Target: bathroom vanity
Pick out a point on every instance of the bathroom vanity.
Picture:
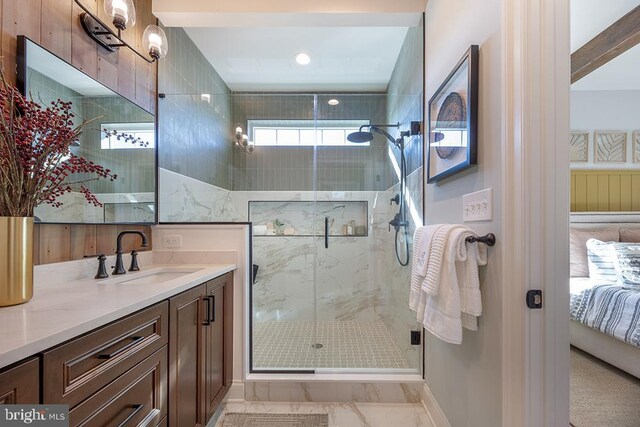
(151, 348)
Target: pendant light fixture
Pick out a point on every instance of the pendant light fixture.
(122, 14)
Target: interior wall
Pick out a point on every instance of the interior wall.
(291, 168)
(194, 118)
(607, 110)
(466, 379)
(55, 25)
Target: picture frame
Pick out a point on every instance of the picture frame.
(453, 120)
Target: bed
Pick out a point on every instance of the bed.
(605, 318)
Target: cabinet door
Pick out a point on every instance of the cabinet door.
(218, 342)
(21, 384)
(186, 358)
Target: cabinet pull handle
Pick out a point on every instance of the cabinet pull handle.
(136, 409)
(207, 311)
(212, 306)
(134, 341)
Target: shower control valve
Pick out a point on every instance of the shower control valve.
(395, 199)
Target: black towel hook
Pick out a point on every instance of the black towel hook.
(487, 239)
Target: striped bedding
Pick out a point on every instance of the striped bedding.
(606, 307)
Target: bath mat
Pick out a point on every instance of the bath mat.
(275, 420)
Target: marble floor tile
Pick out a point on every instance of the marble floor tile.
(343, 414)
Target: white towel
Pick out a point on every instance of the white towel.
(450, 293)
(420, 265)
(469, 282)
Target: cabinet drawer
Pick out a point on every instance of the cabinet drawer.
(21, 384)
(76, 370)
(137, 398)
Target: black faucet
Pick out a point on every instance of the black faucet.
(119, 268)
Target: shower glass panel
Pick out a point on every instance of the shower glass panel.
(363, 323)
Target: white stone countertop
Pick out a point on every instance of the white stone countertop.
(62, 311)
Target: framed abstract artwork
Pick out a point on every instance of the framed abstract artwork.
(579, 146)
(453, 120)
(610, 146)
(636, 146)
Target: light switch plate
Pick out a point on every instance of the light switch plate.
(172, 241)
(478, 206)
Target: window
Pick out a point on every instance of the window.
(303, 133)
(144, 131)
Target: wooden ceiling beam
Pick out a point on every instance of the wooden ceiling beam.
(616, 39)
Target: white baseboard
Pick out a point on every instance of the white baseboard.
(438, 419)
(236, 392)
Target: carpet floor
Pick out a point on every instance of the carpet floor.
(602, 395)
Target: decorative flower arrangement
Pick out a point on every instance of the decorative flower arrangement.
(35, 157)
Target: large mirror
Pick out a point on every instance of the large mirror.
(131, 198)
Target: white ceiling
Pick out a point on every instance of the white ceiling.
(342, 58)
(588, 19)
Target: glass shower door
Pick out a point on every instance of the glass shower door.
(356, 324)
(277, 186)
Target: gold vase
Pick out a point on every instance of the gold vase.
(16, 260)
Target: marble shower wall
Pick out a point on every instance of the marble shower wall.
(284, 289)
(392, 279)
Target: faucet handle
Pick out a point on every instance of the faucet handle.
(134, 261)
(102, 267)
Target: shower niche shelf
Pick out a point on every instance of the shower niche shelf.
(300, 215)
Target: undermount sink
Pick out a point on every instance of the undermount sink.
(150, 277)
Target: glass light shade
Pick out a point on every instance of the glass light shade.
(155, 42)
(121, 12)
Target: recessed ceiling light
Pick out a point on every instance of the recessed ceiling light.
(333, 102)
(303, 59)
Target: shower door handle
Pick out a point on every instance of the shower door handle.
(326, 232)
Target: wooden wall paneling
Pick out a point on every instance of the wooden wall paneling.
(107, 72)
(605, 191)
(603, 201)
(635, 193)
(83, 241)
(615, 196)
(106, 239)
(625, 189)
(36, 244)
(19, 17)
(55, 243)
(145, 73)
(56, 26)
(84, 51)
(592, 196)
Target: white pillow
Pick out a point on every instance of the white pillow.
(601, 257)
(628, 265)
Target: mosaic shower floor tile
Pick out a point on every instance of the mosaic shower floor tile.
(337, 344)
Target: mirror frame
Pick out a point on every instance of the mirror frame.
(21, 84)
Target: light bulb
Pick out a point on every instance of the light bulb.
(154, 41)
(238, 130)
(121, 12)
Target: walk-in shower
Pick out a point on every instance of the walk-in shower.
(333, 196)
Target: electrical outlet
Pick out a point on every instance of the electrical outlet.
(172, 241)
(478, 206)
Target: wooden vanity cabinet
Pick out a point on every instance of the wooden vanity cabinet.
(218, 343)
(21, 384)
(201, 353)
